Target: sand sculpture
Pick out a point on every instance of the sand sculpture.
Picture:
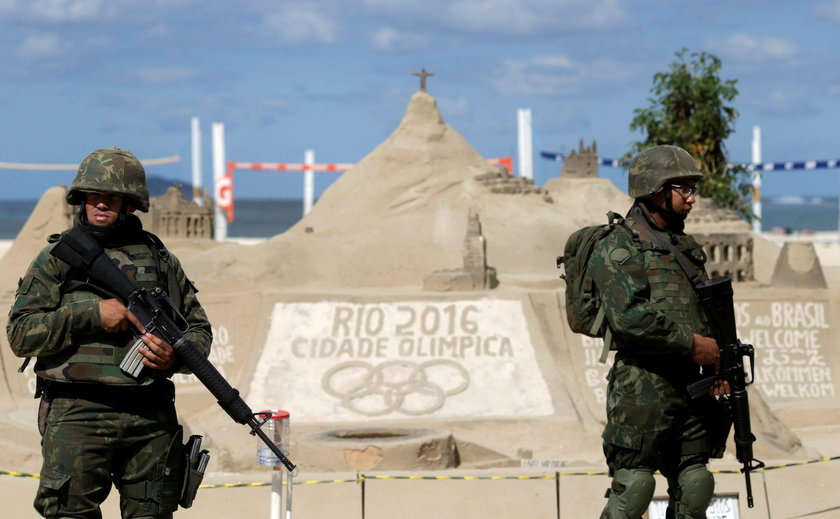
(330, 320)
(475, 274)
(171, 216)
(581, 163)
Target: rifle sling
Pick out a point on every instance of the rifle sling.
(682, 260)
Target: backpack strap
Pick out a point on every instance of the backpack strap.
(26, 361)
(596, 326)
(605, 351)
(684, 262)
(669, 244)
(615, 220)
(162, 257)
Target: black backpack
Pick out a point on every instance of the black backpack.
(583, 304)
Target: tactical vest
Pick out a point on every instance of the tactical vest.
(671, 292)
(96, 357)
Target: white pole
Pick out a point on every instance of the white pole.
(276, 510)
(525, 144)
(308, 181)
(196, 160)
(756, 160)
(289, 486)
(219, 219)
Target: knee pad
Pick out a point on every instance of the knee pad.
(695, 493)
(630, 494)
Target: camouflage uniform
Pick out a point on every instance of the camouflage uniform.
(652, 310)
(99, 425)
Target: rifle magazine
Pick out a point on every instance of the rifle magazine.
(132, 363)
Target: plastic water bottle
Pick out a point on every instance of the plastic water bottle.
(266, 457)
(278, 430)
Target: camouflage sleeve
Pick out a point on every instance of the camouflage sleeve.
(39, 324)
(199, 332)
(621, 278)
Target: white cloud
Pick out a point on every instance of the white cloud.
(159, 31)
(165, 74)
(747, 48)
(602, 13)
(530, 78)
(8, 5)
(555, 74)
(506, 16)
(524, 16)
(265, 103)
(787, 101)
(553, 61)
(302, 22)
(42, 45)
(390, 39)
(453, 106)
(829, 10)
(67, 10)
(99, 42)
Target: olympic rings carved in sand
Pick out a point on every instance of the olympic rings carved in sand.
(395, 386)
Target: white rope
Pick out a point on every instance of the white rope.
(74, 167)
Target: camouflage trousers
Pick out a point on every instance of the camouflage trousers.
(99, 435)
(652, 423)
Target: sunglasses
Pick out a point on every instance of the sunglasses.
(685, 191)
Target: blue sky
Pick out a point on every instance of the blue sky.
(335, 76)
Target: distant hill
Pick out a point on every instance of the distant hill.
(159, 185)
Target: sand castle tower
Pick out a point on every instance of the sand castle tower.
(726, 238)
(582, 163)
(173, 216)
(475, 274)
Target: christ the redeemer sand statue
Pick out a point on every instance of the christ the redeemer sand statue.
(423, 75)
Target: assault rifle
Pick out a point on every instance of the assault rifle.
(716, 297)
(160, 317)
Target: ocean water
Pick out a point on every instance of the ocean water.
(13, 214)
(800, 213)
(252, 218)
(265, 218)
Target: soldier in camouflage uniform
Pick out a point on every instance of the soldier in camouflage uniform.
(100, 425)
(662, 340)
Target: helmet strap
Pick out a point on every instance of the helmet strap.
(669, 199)
(103, 230)
(665, 211)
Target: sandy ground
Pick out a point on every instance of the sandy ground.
(796, 491)
(793, 491)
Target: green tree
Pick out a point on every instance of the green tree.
(692, 108)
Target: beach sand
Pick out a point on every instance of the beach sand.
(565, 491)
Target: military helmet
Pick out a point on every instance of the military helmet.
(110, 170)
(654, 167)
